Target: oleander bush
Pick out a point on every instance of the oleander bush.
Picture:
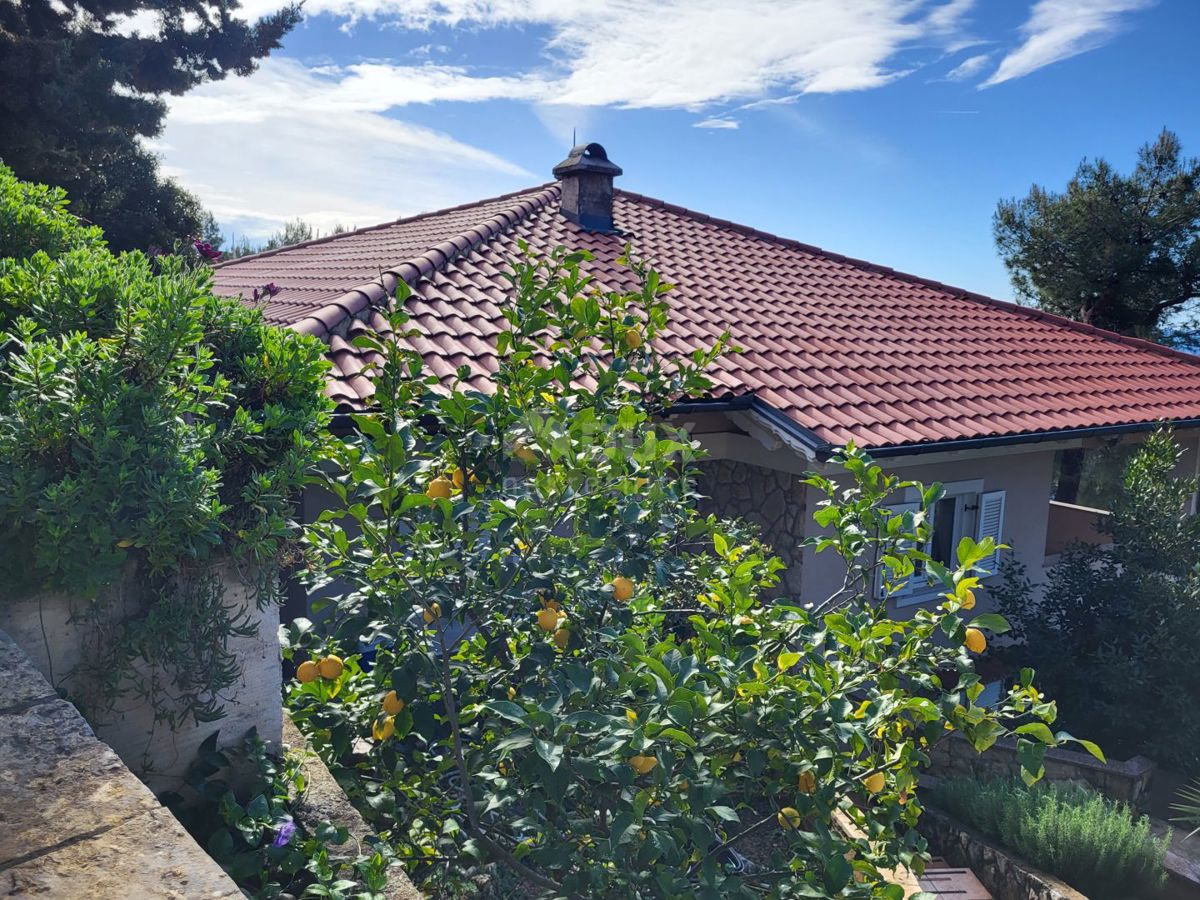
(1094, 844)
(532, 651)
(147, 429)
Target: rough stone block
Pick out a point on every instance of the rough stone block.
(20, 681)
(58, 782)
(148, 856)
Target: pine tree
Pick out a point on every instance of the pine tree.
(80, 86)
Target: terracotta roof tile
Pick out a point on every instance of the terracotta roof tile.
(844, 348)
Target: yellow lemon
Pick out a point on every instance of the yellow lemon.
(631, 715)
(562, 637)
(384, 729)
(633, 339)
(432, 614)
(622, 588)
(968, 600)
(502, 767)
(330, 667)
(547, 619)
(512, 693)
(392, 704)
(808, 782)
(440, 488)
(306, 672)
(976, 642)
(789, 818)
(643, 764)
(874, 783)
(458, 478)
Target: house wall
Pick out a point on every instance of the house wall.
(769, 498)
(1024, 475)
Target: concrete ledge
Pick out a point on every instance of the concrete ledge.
(324, 800)
(1125, 780)
(76, 821)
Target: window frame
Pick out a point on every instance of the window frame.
(918, 590)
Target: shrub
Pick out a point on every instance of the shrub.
(1112, 635)
(535, 651)
(241, 804)
(1092, 843)
(146, 426)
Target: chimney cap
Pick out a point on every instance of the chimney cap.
(590, 158)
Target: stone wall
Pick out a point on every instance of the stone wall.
(1125, 780)
(45, 628)
(76, 822)
(1006, 876)
(768, 498)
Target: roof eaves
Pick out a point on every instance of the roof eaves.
(322, 322)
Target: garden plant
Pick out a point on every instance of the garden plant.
(1109, 635)
(149, 433)
(534, 651)
(1094, 844)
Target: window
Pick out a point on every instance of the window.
(966, 509)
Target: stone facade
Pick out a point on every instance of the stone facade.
(1125, 780)
(45, 628)
(1006, 876)
(771, 499)
(77, 823)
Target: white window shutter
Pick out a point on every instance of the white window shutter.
(991, 524)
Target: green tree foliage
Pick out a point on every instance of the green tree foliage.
(81, 91)
(1114, 635)
(572, 673)
(144, 422)
(1092, 843)
(1116, 251)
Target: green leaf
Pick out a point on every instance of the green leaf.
(786, 659)
(508, 710)
(992, 622)
(551, 753)
(679, 736)
(1031, 754)
(1038, 730)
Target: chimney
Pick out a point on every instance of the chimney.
(587, 187)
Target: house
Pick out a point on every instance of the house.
(940, 383)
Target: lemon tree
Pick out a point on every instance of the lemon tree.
(549, 660)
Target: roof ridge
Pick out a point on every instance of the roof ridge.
(349, 303)
(1028, 311)
(403, 220)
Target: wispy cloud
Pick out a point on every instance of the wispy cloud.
(968, 68)
(1059, 29)
(291, 142)
(718, 123)
(685, 53)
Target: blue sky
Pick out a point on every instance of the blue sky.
(876, 128)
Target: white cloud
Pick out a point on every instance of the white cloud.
(1059, 29)
(287, 142)
(685, 53)
(968, 68)
(322, 142)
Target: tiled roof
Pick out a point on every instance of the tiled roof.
(839, 348)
